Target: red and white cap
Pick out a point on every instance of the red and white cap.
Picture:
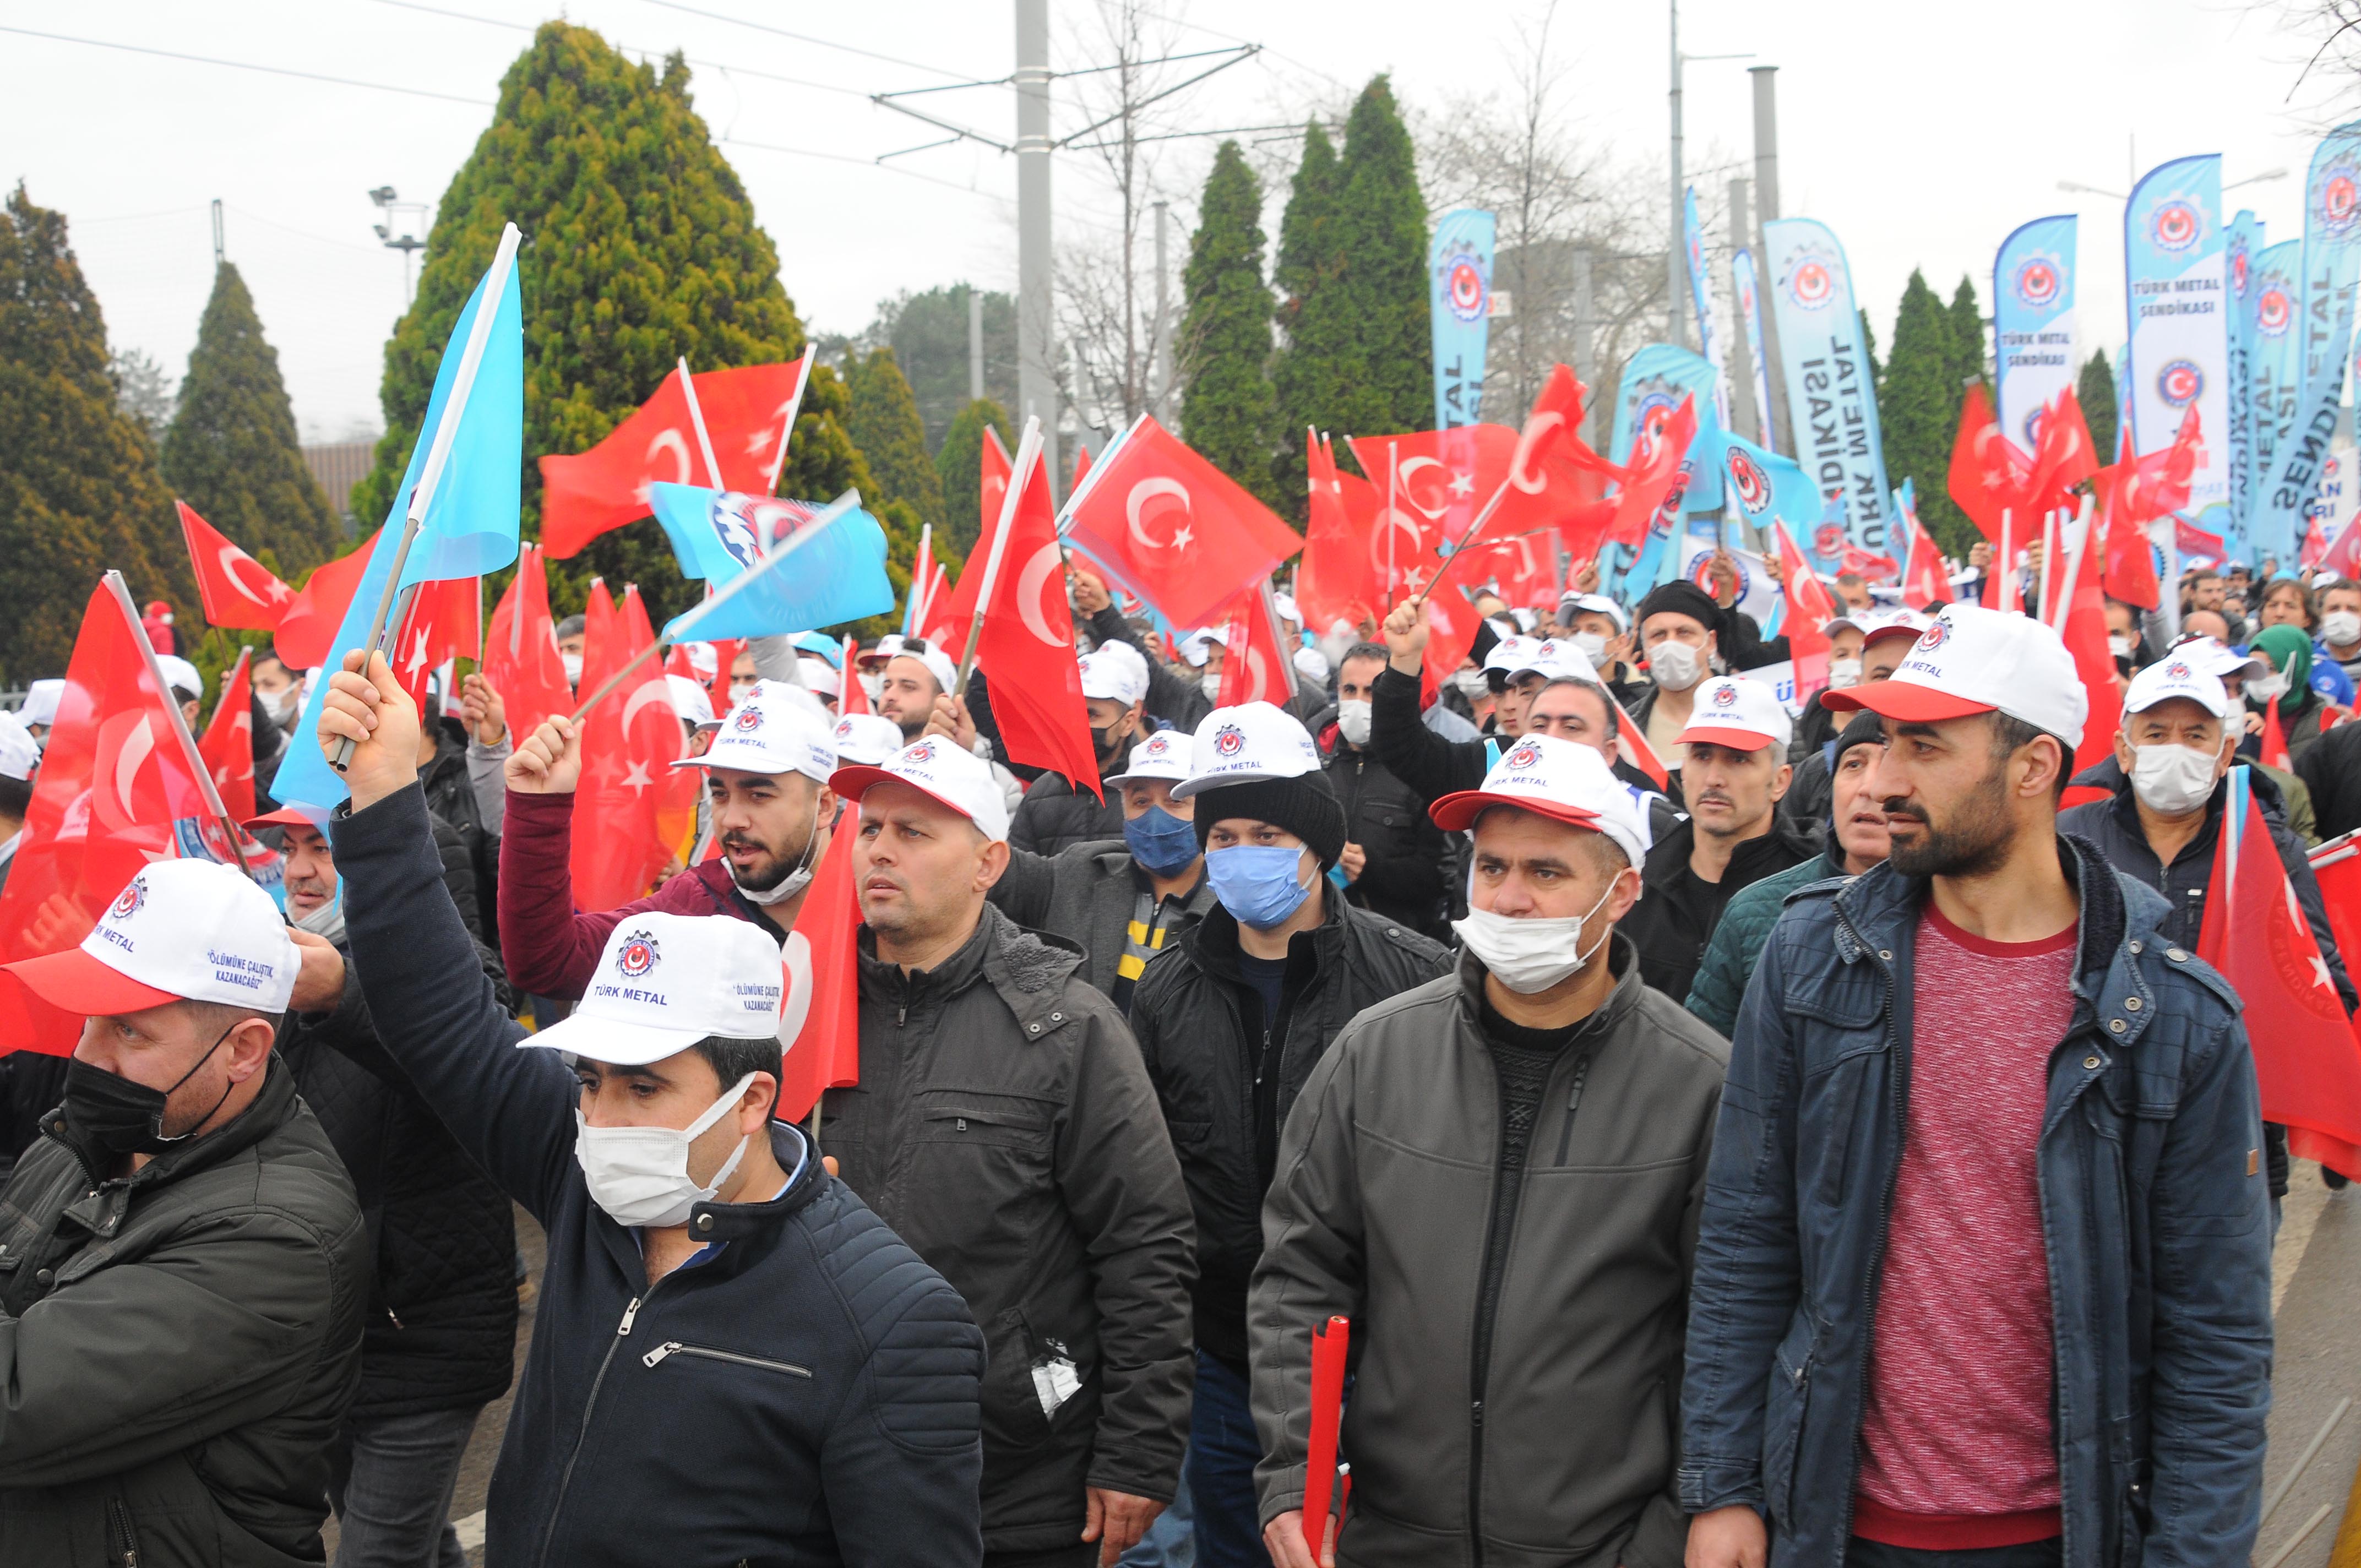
(665, 981)
(866, 738)
(2176, 675)
(1554, 778)
(1556, 659)
(1876, 626)
(933, 766)
(1744, 715)
(1241, 745)
(1973, 659)
(1163, 755)
(776, 730)
(178, 931)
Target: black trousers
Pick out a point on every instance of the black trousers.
(1864, 1552)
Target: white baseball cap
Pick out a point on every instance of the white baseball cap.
(1286, 605)
(41, 699)
(1554, 778)
(939, 665)
(1744, 715)
(771, 732)
(178, 931)
(1163, 755)
(1312, 665)
(1198, 646)
(1555, 660)
(1240, 745)
(19, 753)
(819, 676)
(2220, 660)
(1876, 626)
(180, 675)
(1848, 622)
(1597, 604)
(1107, 674)
(949, 773)
(1507, 653)
(884, 648)
(690, 701)
(665, 981)
(2175, 675)
(866, 738)
(1973, 659)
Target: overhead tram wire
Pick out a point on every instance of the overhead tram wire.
(819, 42)
(250, 65)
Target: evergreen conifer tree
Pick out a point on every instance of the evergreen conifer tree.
(885, 426)
(79, 489)
(2094, 388)
(1227, 412)
(1869, 357)
(1304, 374)
(231, 451)
(1967, 335)
(1383, 217)
(1918, 410)
(959, 466)
(641, 246)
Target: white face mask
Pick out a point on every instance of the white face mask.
(2119, 646)
(1210, 682)
(2340, 629)
(281, 704)
(1472, 685)
(639, 1175)
(1593, 646)
(794, 882)
(2174, 780)
(740, 690)
(1530, 956)
(573, 663)
(1843, 672)
(1676, 666)
(875, 685)
(2271, 688)
(1353, 722)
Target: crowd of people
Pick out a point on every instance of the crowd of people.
(1737, 1134)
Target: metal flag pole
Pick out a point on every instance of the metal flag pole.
(120, 593)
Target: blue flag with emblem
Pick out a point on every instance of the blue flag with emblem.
(741, 546)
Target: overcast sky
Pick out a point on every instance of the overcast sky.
(1922, 134)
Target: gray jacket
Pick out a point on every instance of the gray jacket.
(1086, 894)
(1558, 1447)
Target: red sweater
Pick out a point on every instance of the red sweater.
(1958, 1449)
(550, 947)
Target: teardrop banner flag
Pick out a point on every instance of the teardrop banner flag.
(1831, 401)
(1746, 289)
(1459, 278)
(2241, 252)
(2174, 246)
(2033, 322)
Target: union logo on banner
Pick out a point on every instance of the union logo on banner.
(2039, 282)
(2180, 383)
(1747, 481)
(2240, 267)
(1811, 282)
(1466, 285)
(1701, 574)
(2336, 203)
(2176, 224)
(2274, 312)
(1828, 541)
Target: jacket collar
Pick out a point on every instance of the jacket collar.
(728, 1222)
(273, 1106)
(1029, 970)
(1213, 943)
(1671, 852)
(1622, 962)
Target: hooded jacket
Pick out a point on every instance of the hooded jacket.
(178, 1344)
(2153, 1212)
(1004, 1127)
(1517, 1399)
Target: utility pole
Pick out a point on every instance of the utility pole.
(406, 242)
(1740, 357)
(1675, 266)
(1585, 332)
(1776, 431)
(1036, 380)
(217, 233)
(974, 343)
(1159, 342)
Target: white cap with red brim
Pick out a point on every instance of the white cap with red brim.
(1743, 715)
(1558, 779)
(950, 773)
(1555, 659)
(178, 931)
(1877, 626)
(665, 981)
(1973, 659)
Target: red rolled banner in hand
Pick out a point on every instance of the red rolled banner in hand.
(1328, 1346)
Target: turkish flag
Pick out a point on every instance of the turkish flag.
(1255, 663)
(587, 493)
(629, 742)
(854, 697)
(1430, 486)
(2084, 632)
(520, 658)
(2063, 456)
(1082, 468)
(228, 745)
(1990, 474)
(121, 783)
(1810, 607)
(1924, 581)
(1172, 529)
(236, 588)
(439, 626)
(934, 618)
(1631, 744)
(1336, 580)
(2273, 745)
(1027, 649)
(2307, 1062)
(306, 634)
(820, 1019)
(1657, 477)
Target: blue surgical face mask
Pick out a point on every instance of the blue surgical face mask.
(1260, 884)
(1160, 841)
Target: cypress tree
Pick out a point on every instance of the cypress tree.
(1869, 356)
(1383, 219)
(231, 452)
(885, 426)
(959, 466)
(2096, 390)
(1967, 335)
(1304, 375)
(79, 489)
(1227, 412)
(1919, 409)
(641, 246)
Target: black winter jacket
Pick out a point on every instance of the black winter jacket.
(471, 843)
(807, 1395)
(2330, 768)
(1190, 1014)
(1404, 877)
(1086, 896)
(1174, 696)
(1054, 817)
(1002, 1126)
(440, 1329)
(1675, 916)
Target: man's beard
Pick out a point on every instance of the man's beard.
(1973, 843)
(782, 866)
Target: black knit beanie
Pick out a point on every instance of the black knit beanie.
(1305, 807)
(1864, 728)
(1680, 597)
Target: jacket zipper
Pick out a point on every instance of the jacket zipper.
(1900, 1096)
(672, 1347)
(589, 1407)
(1572, 1105)
(122, 1540)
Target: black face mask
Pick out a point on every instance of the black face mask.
(1107, 741)
(122, 1117)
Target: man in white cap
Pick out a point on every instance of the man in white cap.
(1602, 630)
(1057, 813)
(1497, 1176)
(733, 1358)
(40, 709)
(20, 758)
(1176, 695)
(1986, 1244)
(1396, 863)
(866, 738)
(188, 689)
(916, 674)
(1879, 640)
(766, 790)
(182, 1259)
(1232, 1020)
(1004, 1127)
(1121, 899)
(1736, 742)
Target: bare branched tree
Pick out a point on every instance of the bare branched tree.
(2324, 70)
